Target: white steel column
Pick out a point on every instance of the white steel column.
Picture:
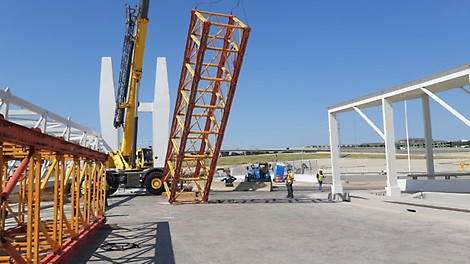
(390, 154)
(407, 139)
(66, 132)
(41, 124)
(5, 105)
(336, 186)
(428, 137)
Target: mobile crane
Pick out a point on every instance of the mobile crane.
(129, 166)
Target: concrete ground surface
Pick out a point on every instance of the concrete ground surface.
(265, 227)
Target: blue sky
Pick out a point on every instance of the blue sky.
(302, 57)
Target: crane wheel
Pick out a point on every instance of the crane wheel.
(154, 183)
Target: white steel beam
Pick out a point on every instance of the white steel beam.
(51, 126)
(21, 112)
(442, 81)
(465, 90)
(145, 107)
(446, 106)
(392, 188)
(369, 122)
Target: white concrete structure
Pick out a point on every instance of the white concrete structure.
(107, 104)
(435, 185)
(423, 89)
(160, 109)
(27, 114)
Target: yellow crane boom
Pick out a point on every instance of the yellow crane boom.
(130, 167)
(129, 81)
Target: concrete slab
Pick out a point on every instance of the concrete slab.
(184, 196)
(265, 227)
(242, 186)
(458, 185)
(454, 199)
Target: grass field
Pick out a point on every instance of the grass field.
(240, 160)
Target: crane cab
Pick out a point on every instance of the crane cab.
(144, 158)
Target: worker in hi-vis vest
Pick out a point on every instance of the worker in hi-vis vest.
(289, 182)
(320, 178)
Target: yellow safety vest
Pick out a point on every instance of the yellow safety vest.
(290, 177)
(320, 177)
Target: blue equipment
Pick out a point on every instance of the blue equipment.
(280, 169)
(258, 173)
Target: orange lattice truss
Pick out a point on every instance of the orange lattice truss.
(215, 48)
(40, 228)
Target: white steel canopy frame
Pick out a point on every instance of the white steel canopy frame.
(423, 89)
(27, 114)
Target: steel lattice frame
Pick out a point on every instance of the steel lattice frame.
(215, 49)
(31, 233)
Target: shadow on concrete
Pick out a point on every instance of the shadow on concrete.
(164, 248)
(88, 249)
(358, 197)
(270, 200)
(130, 243)
(112, 203)
(431, 206)
(253, 186)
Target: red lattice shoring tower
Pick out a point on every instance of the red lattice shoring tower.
(215, 48)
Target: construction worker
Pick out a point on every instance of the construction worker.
(289, 182)
(229, 179)
(320, 178)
